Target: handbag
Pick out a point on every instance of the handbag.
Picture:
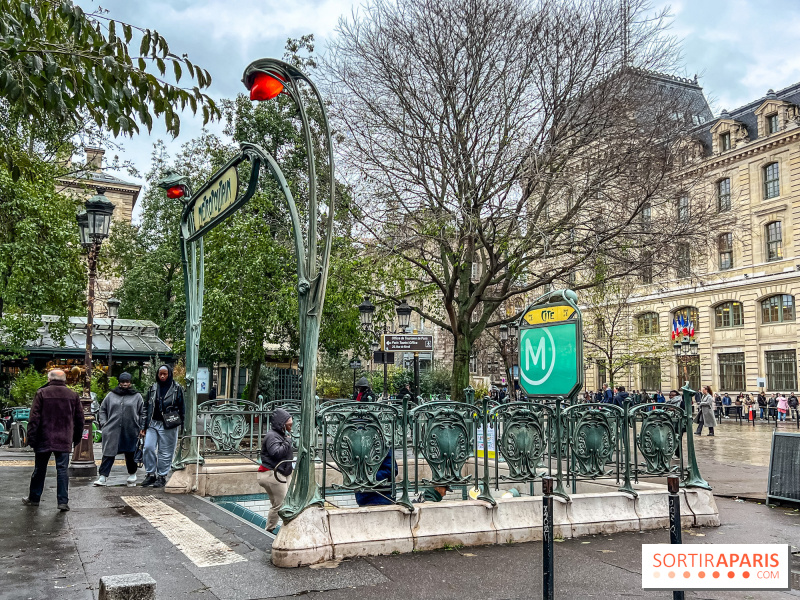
(171, 416)
(138, 455)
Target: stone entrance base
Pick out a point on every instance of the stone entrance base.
(318, 534)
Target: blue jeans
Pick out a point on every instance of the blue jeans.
(159, 460)
(781, 416)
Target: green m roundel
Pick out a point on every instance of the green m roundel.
(550, 346)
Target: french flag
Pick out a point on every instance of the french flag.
(674, 329)
(684, 326)
(691, 329)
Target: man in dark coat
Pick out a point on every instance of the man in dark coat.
(276, 464)
(56, 424)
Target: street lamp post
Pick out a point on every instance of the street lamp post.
(93, 224)
(685, 350)
(112, 306)
(404, 320)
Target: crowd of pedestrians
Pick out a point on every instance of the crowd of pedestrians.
(778, 407)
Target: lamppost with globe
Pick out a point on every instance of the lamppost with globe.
(366, 311)
(93, 224)
(112, 306)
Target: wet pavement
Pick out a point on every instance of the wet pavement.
(51, 555)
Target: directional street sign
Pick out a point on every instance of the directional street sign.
(551, 346)
(407, 343)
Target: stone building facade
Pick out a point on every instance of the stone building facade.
(741, 294)
(122, 194)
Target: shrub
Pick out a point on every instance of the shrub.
(24, 387)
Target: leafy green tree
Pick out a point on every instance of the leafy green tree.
(61, 64)
(41, 271)
(250, 275)
(24, 387)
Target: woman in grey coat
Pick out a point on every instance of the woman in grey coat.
(121, 419)
(705, 412)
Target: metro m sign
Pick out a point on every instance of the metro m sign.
(551, 349)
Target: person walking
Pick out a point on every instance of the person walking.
(705, 412)
(793, 404)
(56, 424)
(276, 464)
(762, 404)
(608, 394)
(121, 419)
(621, 396)
(782, 406)
(165, 414)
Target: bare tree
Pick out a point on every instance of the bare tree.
(498, 147)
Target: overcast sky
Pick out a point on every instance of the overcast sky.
(738, 48)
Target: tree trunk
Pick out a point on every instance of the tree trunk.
(460, 368)
(255, 375)
(235, 386)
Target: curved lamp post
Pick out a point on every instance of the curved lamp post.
(214, 202)
(93, 225)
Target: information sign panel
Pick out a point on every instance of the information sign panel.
(407, 342)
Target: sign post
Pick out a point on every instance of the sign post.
(355, 364)
(551, 346)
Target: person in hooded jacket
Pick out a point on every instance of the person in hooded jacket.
(621, 396)
(364, 391)
(121, 419)
(276, 464)
(165, 397)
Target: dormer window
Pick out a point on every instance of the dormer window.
(772, 123)
(725, 141)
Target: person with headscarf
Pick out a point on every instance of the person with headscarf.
(121, 419)
(165, 414)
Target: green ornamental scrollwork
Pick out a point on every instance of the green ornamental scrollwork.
(359, 448)
(227, 426)
(593, 439)
(522, 442)
(446, 440)
(659, 438)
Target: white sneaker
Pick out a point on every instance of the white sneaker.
(131, 481)
(101, 481)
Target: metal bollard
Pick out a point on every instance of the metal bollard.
(673, 483)
(548, 583)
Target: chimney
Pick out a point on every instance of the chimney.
(94, 158)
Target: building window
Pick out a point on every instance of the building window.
(731, 372)
(728, 314)
(602, 373)
(724, 195)
(651, 374)
(600, 328)
(473, 363)
(777, 309)
(725, 244)
(774, 241)
(683, 209)
(689, 314)
(772, 123)
(647, 324)
(725, 141)
(647, 216)
(476, 270)
(781, 370)
(646, 273)
(684, 261)
(772, 184)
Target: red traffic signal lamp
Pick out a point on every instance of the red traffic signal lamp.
(265, 86)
